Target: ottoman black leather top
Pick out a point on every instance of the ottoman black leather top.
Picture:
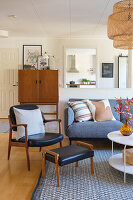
(70, 154)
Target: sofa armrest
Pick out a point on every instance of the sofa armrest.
(68, 118)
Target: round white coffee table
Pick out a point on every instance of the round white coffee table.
(116, 160)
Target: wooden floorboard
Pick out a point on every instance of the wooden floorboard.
(16, 182)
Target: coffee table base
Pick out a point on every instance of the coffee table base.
(116, 162)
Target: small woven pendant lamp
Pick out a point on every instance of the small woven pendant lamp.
(120, 25)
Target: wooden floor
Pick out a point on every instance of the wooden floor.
(16, 182)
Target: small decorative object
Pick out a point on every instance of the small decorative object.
(88, 81)
(126, 129)
(85, 81)
(52, 61)
(72, 82)
(43, 61)
(124, 108)
(107, 70)
(92, 82)
(30, 54)
(91, 69)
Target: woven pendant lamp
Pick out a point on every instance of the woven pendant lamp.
(120, 25)
(123, 44)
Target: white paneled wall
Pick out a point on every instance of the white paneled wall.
(105, 54)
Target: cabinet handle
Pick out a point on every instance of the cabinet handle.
(40, 81)
(15, 84)
(36, 81)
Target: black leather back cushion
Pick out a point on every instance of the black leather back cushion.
(23, 107)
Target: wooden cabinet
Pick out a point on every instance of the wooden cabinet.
(38, 86)
(48, 86)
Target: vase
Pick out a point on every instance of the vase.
(126, 129)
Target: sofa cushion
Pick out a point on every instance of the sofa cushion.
(91, 129)
(81, 110)
(101, 110)
(112, 102)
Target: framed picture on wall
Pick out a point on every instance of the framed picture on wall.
(30, 55)
(107, 70)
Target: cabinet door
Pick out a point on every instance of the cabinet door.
(28, 86)
(48, 86)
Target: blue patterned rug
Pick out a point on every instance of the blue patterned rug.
(77, 183)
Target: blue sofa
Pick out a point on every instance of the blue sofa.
(91, 129)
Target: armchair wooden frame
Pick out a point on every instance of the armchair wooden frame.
(25, 144)
(56, 155)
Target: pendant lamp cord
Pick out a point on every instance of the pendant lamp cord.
(70, 19)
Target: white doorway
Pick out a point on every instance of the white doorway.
(9, 62)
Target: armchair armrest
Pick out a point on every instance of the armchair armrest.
(16, 125)
(50, 120)
(53, 120)
(90, 146)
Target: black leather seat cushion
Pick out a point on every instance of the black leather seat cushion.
(41, 140)
(70, 154)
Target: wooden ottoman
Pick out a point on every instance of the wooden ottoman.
(66, 155)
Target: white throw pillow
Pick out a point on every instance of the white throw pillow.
(33, 119)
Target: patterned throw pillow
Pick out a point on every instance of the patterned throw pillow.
(81, 110)
(101, 110)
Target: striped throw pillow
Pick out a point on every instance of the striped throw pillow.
(81, 111)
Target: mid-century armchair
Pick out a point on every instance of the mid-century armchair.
(37, 140)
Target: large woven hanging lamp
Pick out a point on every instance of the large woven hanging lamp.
(123, 44)
(120, 25)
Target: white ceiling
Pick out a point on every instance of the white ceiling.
(55, 18)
